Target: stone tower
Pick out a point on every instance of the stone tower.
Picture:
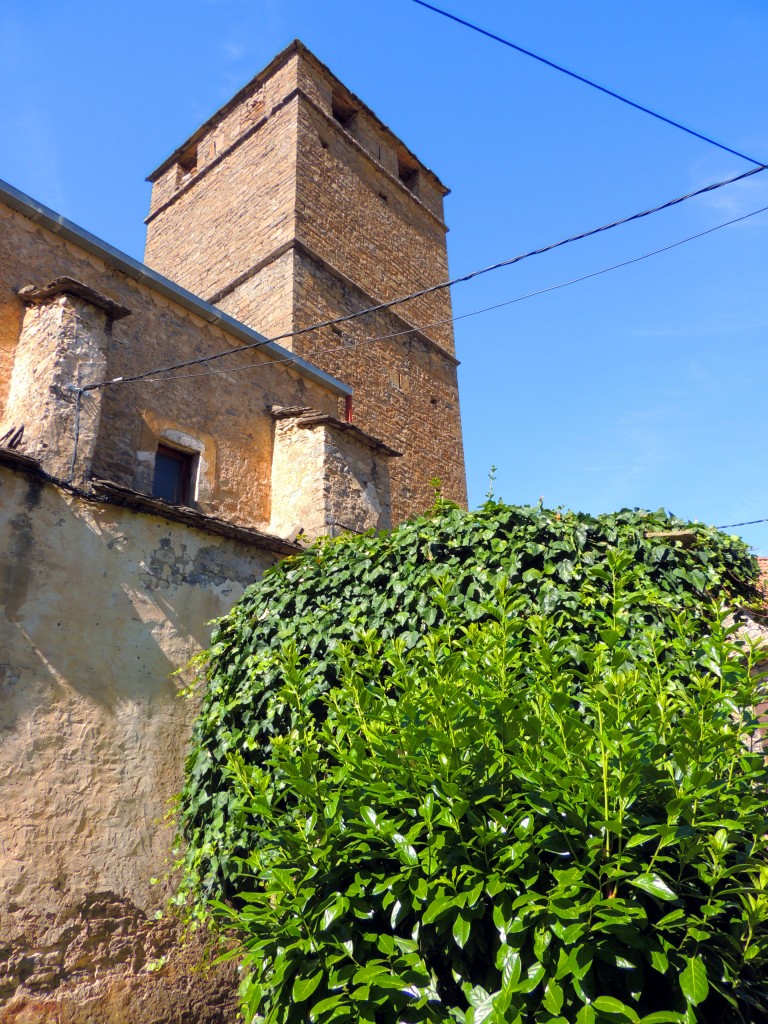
(293, 205)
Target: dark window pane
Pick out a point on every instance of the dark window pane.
(172, 475)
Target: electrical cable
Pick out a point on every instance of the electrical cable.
(749, 522)
(476, 312)
(264, 363)
(585, 81)
(565, 284)
(435, 287)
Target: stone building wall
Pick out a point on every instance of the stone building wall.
(105, 592)
(237, 211)
(99, 606)
(317, 456)
(411, 391)
(362, 219)
(229, 411)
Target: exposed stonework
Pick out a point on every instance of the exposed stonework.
(228, 414)
(103, 959)
(294, 205)
(63, 345)
(327, 477)
(411, 392)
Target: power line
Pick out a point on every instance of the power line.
(432, 288)
(586, 81)
(573, 280)
(749, 522)
(263, 364)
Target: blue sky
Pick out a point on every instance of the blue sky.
(643, 387)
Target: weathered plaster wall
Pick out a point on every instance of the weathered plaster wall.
(357, 484)
(298, 471)
(98, 606)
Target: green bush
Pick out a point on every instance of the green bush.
(490, 767)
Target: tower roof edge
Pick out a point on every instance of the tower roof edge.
(296, 46)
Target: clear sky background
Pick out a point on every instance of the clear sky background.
(644, 387)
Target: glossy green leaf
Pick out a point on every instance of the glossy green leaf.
(607, 1004)
(655, 885)
(474, 755)
(553, 998)
(461, 930)
(693, 981)
(406, 850)
(304, 987)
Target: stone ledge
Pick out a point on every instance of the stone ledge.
(117, 494)
(16, 460)
(306, 417)
(298, 91)
(106, 492)
(69, 286)
(277, 62)
(301, 247)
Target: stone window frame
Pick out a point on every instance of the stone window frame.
(187, 165)
(170, 435)
(185, 444)
(408, 172)
(344, 112)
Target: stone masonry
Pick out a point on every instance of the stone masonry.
(293, 205)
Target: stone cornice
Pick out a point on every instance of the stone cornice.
(308, 418)
(69, 286)
(299, 246)
(282, 58)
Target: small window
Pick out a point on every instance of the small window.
(187, 164)
(408, 172)
(173, 475)
(343, 111)
(255, 110)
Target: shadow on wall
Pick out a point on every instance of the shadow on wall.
(104, 601)
(73, 615)
(100, 605)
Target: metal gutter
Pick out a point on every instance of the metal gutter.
(143, 274)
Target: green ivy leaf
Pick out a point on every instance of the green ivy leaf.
(472, 734)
